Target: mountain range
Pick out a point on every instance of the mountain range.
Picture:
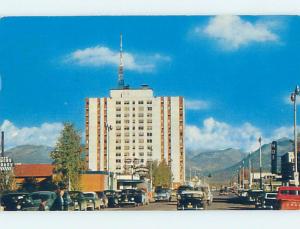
(220, 165)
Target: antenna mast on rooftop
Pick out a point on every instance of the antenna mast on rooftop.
(121, 77)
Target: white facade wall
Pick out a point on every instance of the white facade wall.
(127, 101)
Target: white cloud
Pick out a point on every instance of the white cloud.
(101, 56)
(214, 134)
(46, 134)
(197, 105)
(232, 32)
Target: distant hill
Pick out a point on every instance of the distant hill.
(30, 154)
(284, 146)
(212, 161)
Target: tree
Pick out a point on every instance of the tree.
(161, 174)
(67, 157)
(7, 181)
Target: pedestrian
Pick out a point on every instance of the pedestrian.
(58, 204)
(43, 204)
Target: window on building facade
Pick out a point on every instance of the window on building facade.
(149, 134)
(149, 115)
(141, 102)
(149, 102)
(118, 115)
(127, 141)
(126, 147)
(149, 140)
(118, 121)
(118, 108)
(118, 160)
(141, 154)
(149, 121)
(126, 115)
(141, 121)
(149, 154)
(149, 127)
(118, 102)
(141, 134)
(118, 154)
(149, 108)
(126, 108)
(141, 140)
(118, 127)
(118, 147)
(141, 115)
(141, 147)
(141, 127)
(126, 102)
(141, 108)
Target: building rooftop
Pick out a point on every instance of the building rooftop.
(33, 170)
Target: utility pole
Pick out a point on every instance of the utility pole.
(2, 143)
(294, 100)
(108, 129)
(260, 166)
(250, 172)
(243, 172)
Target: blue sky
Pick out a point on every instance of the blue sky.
(236, 73)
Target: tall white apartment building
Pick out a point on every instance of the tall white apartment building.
(134, 125)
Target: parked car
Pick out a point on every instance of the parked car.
(32, 201)
(208, 194)
(253, 195)
(80, 203)
(141, 197)
(184, 188)
(191, 200)
(267, 201)
(12, 201)
(113, 198)
(93, 201)
(127, 198)
(288, 198)
(162, 194)
(103, 199)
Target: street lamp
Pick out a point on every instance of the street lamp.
(294, 100)
(260, 168)
(250, 172)
(108, 129)
(243, 172)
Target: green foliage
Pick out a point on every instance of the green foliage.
(161, 174)
(7, 181)
(67, 157)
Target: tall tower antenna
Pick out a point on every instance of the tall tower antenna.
(121, 77)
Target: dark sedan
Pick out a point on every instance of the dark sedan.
(127, 197)
(12, 201)
(191, 200)
(113, 198)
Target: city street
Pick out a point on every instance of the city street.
(229, 202)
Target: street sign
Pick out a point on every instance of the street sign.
(6, 164)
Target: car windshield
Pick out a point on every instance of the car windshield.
(128, 191)
(162, 191)
(109, 193)
(74, 194)
(271, 195)
(89, 195)
(192, 195)
(101, 194)
(39, 196)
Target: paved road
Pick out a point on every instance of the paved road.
(229, 202)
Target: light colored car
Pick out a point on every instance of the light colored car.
(208, 193)
(93, 201)
(162, 194)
